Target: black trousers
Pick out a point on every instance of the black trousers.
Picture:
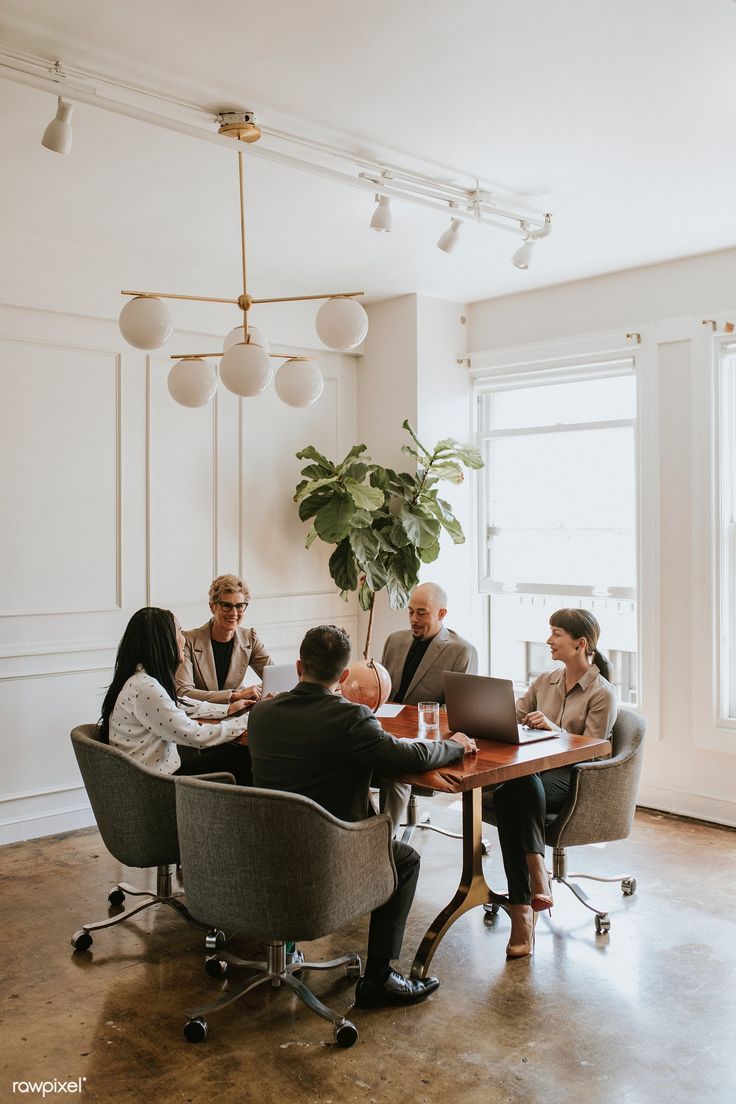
(222, 757)
(388, 923)
(521, 806)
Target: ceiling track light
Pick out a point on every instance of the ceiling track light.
(523, 256)
(382, 219)
(449, 239)
(57, 136)
(245, 364)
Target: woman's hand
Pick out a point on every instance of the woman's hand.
(538, 720)
(247, 694)
(237, 707)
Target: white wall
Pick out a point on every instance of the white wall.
(113, 497)
(410, 370)
(690, 765)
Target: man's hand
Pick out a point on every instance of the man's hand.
(538, 720)
(470, 746)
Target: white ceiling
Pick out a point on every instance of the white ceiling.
(616, 117)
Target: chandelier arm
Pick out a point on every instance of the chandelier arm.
(205, 356)
(171, 295)
(241, 175)
(304, 298)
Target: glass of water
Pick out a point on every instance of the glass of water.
(429, 719)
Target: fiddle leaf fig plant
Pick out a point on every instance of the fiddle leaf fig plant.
(384, 524)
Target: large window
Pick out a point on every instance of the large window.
(558, 514)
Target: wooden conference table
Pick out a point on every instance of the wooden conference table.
(494, 763)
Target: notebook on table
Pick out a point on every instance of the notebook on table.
(484, 708)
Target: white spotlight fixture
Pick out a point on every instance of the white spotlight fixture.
(447, 241)
(523, 256)
(246, 364)
(382, 219)
(58, 134)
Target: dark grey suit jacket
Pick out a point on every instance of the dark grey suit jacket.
(446, 652)
(312, 742)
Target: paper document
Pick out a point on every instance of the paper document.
(391, 709)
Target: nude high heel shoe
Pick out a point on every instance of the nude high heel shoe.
(543, 901)
(523, 923)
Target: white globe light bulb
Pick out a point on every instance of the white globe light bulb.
(192, 382)
(235, 337)
(341, 323)
(145, 323)
(246, 370)
(299, 382)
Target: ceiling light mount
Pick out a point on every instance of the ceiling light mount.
(238, 124)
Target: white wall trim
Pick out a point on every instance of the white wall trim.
(675, 799)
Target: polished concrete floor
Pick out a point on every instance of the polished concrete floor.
(645, 1014)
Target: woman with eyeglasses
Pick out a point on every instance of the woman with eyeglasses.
(217, 655)
(142, 715)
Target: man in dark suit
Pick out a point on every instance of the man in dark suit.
(416, 658)
(314, 742)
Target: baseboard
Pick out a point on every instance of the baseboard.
(717, 810)
(32, 815)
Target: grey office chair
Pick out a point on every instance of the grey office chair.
(135, 810)
(599, 809)
(277, 866)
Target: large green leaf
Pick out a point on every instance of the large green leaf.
(343, 567)
(332, 521)
(364, 497)
(310, 453)
(355, 452)
(313, 503)
(453, 473)
(365, 596)
(365, 545)
(311, 537)
(410, 524)
(443, 512)
(430, 552)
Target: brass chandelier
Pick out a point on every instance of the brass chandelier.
(245, 361)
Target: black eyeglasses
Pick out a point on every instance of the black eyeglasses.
(227, 606)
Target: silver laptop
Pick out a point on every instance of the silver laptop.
(278, 678)
(484, 708)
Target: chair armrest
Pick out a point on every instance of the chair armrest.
(365, 856)
(602, 800)
(216, 776)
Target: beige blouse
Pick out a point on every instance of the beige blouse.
(588, 709)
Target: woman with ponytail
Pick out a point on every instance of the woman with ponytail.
(577, 698)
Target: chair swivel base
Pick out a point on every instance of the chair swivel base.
(277, 971)
(82, 939)
(560, 874)
(415, 821)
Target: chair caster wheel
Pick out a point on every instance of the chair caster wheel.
(215, 967)
(214, 940)
(353, 970)
(115, 898)
(490, 912)
(81, 940)
(195, 1031)
(346, 1034)
(485, 846)
(628, 887)
(602, 925)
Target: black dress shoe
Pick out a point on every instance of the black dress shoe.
(396, 989)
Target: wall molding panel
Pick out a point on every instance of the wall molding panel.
(141, 502)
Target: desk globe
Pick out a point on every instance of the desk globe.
(368, 683)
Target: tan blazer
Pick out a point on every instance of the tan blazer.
(196, 676)
(447, 652)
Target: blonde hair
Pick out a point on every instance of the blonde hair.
(225, 584)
